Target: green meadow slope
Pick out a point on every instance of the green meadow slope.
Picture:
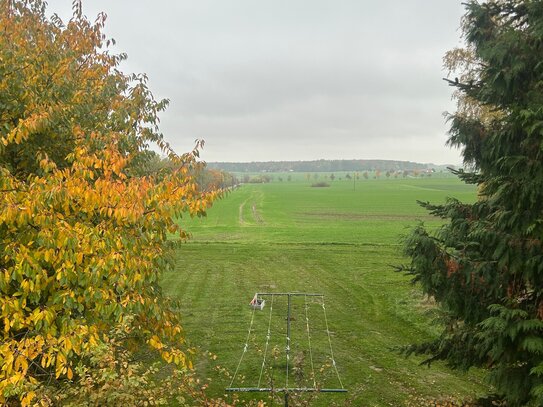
(339, 241)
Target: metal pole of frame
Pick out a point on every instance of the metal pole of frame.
(287, 350)
(288, 345)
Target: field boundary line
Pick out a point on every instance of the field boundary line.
(241, 220)
(291, 244)
(257, 215)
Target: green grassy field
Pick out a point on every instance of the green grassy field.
(339, 241)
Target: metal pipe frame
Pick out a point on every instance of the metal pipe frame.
(284, 390)
(294, 294)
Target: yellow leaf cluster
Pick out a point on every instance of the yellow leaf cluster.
(82, 239)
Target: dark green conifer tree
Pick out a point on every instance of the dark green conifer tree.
(484, 267)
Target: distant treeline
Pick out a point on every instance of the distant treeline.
(323, 165)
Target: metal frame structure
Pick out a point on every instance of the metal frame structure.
(286, 390)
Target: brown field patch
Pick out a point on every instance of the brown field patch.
(366, 216)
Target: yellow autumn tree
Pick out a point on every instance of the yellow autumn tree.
(83, 235)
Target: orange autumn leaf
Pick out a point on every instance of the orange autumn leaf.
(82, 220)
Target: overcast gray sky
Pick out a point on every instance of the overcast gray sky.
(263, 80)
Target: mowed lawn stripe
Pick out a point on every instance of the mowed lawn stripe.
(371, 309)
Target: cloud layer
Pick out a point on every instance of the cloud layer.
(293, 80)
